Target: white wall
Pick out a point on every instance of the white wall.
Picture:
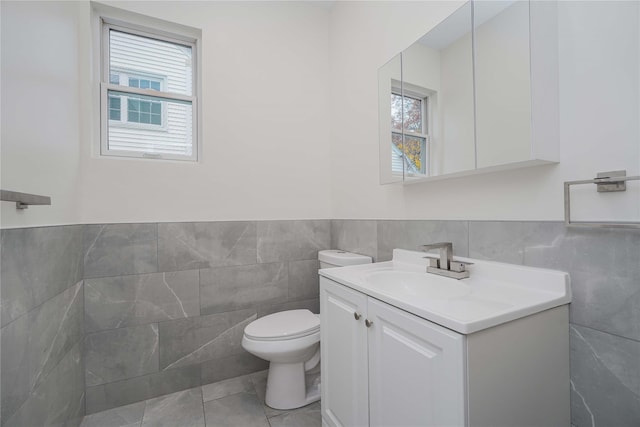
(40, 145)
(290, 118)
(599, 114)
(265, 149)
(264, 138)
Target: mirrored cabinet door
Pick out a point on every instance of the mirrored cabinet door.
(390, 121)
(502, 82)
(426, 104)
(439, 68)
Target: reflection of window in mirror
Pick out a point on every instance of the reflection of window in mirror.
(410, 153)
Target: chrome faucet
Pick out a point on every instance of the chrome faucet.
(445, 265)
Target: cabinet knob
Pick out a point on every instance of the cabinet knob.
(368, 322)
(357, 315)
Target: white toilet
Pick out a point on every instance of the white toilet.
(290, 341)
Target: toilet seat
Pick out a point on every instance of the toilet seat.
(285, 325)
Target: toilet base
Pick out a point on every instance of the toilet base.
(287, 387)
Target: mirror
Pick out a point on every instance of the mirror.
(391, 158)
(461, 99)
(426, 104)
(502, 82)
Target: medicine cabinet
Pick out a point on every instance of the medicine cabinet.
(477, 93)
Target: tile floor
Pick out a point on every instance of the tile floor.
(237, 402)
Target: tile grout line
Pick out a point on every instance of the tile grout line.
(204, 413)
(605, 332)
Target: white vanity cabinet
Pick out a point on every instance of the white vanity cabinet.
(383, 366)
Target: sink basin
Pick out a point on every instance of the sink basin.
(495, 293)
(418, 285)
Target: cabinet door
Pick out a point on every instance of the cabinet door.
(416, 370)
(344, 356)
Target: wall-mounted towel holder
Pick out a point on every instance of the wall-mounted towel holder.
(23, 200)
(606, 182)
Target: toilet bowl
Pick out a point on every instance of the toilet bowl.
(290, 341)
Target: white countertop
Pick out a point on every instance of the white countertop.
(495, 293)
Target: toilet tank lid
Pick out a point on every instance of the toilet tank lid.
(283, 325)
(342, 258)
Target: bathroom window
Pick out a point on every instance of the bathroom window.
(409, 117)
(148, 100)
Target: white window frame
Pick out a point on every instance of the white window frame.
(106, 86)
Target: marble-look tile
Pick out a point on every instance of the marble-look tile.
(34, 344)
(308, 416)
(304, 282)
(76, 415)
(227, 388)
(358, 236)
(183, 409)
(16, 380)
(242, 409)
(605, 302)
(195, 340)
(120, 249)
(107, 396)
(124, 416)
(604, 266)
(232, 366)
(584, 249)
(122, 301)
(56, 400)
(313, 305)
(500, 241)
(187, 246)
(232, 288)
(292, 240)
(37, 264)
(122, 353)
(605, 379)
(409, 234)
(54, 327)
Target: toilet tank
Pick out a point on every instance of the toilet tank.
(336, 258)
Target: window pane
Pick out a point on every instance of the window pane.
(151, 57)
(410, 156)
(114, 78)
(172, 137)
(114, 108)
(140, 111)
(134, 104)
(413, 114)
(415, 151)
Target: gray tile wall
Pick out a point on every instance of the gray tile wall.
(42, 326)
(605, 312)
(166, 304)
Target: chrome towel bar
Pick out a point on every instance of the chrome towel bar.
(606, 182)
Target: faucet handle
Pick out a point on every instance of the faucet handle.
(458, 266)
